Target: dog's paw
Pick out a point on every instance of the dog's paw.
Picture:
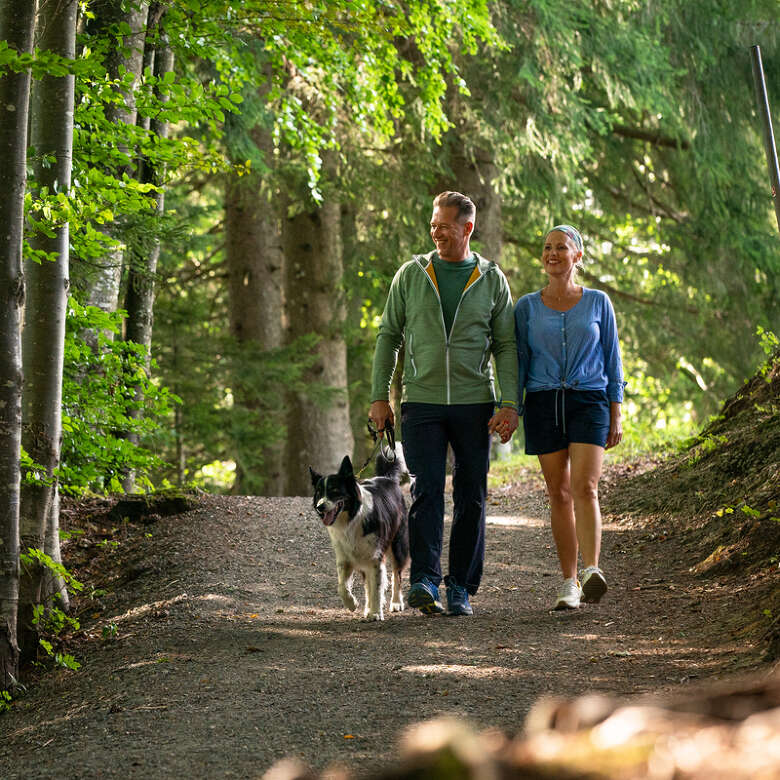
(350, 602)
(397, 606)
(371, 617)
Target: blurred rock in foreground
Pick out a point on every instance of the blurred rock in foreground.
(716, 732)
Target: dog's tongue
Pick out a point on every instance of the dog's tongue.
(330, 517)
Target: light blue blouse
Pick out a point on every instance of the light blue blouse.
(573, 350)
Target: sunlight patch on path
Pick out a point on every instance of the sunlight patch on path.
(515, 520)
(461, 670)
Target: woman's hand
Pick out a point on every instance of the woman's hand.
(615, 435)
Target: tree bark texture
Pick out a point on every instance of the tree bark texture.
(43, 338)
(359, 351)
(474, 173)
(104, 286)
(53, 583)
(17, 23)
(255, 260)
(317, 435)
(139, 300)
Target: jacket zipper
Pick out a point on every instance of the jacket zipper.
(454, 320)
(444, 325)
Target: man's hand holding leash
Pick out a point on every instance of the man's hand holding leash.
(380, 413)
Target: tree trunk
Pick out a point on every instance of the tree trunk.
(475, 174)
(103, 290)
(359, 346)
(43, 338)
(318, 435)
(255, 261)
(139, 301)
(53, 583)
(17, 23)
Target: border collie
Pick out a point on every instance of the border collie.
(368, 524)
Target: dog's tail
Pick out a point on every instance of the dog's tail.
(392, 464)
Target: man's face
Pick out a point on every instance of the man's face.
(450, 236)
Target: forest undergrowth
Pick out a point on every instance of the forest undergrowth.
(719, 496)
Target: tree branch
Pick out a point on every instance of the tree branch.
(651, 136)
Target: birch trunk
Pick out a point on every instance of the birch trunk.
(17, 23)
(319, 436)
(104, 286)
(43, 338)
(139, 301)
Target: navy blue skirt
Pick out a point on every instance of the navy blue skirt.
(554, 419)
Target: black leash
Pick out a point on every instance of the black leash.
(387, 452)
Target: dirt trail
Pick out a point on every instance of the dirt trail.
(233, 649)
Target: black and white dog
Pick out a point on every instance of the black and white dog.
(368, 525)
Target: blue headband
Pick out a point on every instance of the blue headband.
(571, 232)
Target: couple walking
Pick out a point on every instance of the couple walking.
(558, 365)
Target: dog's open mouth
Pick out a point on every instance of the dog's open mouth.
(329, 516)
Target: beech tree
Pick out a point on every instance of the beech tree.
(43, 340)
(17, 24)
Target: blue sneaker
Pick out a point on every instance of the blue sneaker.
(458, 600)
(424, 595)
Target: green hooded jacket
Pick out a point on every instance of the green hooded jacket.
(447, 370)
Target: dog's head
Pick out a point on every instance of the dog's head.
(335, 493)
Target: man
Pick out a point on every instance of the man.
(451, 308)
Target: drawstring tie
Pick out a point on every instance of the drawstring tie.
(561, 391)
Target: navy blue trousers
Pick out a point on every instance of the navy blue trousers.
(427, 429)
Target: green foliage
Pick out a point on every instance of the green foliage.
(50, 621)
(110, 631)
(36, 556)
(614, 117)
(703, 446)
(634, 122)
(771, 346)
(99, 394)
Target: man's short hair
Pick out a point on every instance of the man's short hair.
(467, 211)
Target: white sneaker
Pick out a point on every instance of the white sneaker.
(594, 586)
(569, 594)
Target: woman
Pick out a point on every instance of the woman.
(571, 372)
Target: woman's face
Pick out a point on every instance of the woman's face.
(560, 254)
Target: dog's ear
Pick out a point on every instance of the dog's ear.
(315, 477)
(346, 467)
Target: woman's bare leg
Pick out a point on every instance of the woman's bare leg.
(555, 467)
(586, 463)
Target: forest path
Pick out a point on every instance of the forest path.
(233, 649)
